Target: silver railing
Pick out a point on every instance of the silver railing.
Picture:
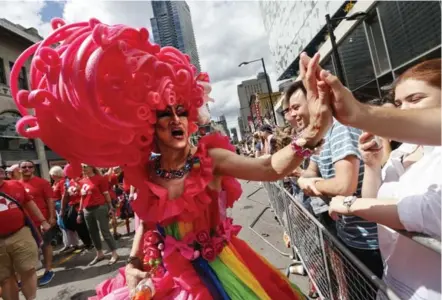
(334, 271)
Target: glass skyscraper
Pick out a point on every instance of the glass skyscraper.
(172, 26)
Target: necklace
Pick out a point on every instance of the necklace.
(175, 174)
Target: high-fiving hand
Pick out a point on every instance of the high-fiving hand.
(318, 98)
(327, 87)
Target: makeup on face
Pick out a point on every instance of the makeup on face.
(172, 111)
(171, 120)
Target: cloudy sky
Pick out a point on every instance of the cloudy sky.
(227, 33)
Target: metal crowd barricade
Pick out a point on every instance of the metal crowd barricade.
(334, 271)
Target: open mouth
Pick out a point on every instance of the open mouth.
(177, 133)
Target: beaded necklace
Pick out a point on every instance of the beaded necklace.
(175, 174)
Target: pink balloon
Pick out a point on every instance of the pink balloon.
(95, 90)
(72, 170)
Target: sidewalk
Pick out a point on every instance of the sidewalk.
(244, 213)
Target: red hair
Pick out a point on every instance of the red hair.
(428, 71)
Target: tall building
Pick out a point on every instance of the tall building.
(246, 89)
(374, 50)
(234, 135)
(223, 123)
(241, 126)
(172, 26)
(14, 39)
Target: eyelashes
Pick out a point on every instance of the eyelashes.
(180, 111)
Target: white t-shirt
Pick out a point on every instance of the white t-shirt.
(411, 270)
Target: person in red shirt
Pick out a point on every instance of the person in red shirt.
(113, 182)
(70, 238)
(70, 207)
(41, 192)
(96, 206)
(18, 249)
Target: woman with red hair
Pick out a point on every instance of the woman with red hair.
(405, 194)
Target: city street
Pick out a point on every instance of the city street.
(74, 280)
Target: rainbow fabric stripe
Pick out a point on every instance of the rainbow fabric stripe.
(228, 276)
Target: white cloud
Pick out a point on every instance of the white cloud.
(227, 33)
(25, 13)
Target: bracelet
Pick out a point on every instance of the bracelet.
(298, 146)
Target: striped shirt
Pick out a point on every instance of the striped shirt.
(340, 142)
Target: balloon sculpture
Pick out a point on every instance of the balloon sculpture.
(95, 89)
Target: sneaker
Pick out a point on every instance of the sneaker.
(46, 278)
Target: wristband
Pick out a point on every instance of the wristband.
(298, 146)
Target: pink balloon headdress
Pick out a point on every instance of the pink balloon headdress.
(95, 90)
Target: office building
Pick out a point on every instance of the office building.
(14, 39)
(172, 26)
(241, 125)
(374, 49)
(234, 135)
(223, 123)
(246, 90)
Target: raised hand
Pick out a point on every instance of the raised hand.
(345, 106)
(318, 98)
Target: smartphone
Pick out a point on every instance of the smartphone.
(378, 142)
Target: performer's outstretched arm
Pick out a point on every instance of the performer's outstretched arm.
(271, 168)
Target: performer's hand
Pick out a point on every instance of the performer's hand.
(133, 277)
(318, 99)
(79, 219)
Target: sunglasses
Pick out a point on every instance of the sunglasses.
(27, 167)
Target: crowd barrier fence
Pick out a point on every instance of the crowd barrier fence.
(334, 271)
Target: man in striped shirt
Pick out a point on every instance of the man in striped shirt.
(337, 170)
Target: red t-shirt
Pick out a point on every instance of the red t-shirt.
(92, 189)
(74, 192)
(58, 188)
(39, 190)
(12, 218)
(113, 181)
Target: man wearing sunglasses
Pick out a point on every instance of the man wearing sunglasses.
(41, 192)
(18, 249)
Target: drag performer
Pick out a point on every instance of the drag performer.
(104, 95)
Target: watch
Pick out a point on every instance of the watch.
(348, 201)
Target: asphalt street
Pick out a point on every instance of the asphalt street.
(75, 280)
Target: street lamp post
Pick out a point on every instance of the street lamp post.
(336, 58)
(267, 82)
